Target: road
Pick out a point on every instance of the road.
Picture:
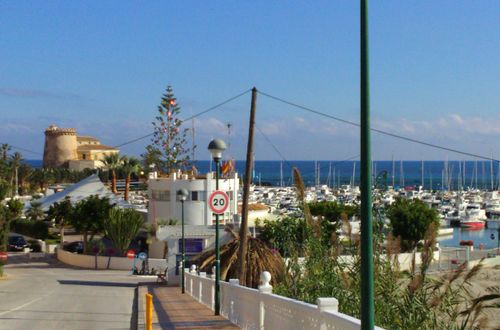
(49, 295)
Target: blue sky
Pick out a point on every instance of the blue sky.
(101, 66)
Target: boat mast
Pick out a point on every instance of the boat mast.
(491, 172)
(329, 178)
(318, 178)
(281, 174)
(483, 181)
(422, 168)
(353, 173)
(401, 175)
(475, 173)
(459, 183)
(393, 171)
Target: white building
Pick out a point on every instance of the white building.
(199, 220)
(164, 204)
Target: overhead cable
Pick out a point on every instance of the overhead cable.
(432, 145)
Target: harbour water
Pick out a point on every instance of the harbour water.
(487, 237)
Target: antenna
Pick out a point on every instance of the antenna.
(229, 125)
(193, 140)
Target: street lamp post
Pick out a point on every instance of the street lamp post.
(182, 195)
(216, 147)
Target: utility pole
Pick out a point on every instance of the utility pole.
(242, 251)
(367, 296)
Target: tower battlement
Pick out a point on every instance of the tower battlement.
(54, 130)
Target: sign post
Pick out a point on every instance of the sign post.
(218, 203)
(131, 255)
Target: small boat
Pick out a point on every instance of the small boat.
(493, 221)
(472, 223)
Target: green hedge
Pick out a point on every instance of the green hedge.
(35, 229)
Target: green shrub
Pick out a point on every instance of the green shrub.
(35, 229)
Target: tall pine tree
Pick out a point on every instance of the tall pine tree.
(169, 142)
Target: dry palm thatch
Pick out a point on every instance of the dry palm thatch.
(259, 258)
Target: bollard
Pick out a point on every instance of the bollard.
(149, 311)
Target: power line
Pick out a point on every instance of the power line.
(288, 162)
(432, 145)
(189, 118)
(25, 150)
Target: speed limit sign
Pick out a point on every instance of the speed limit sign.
(218, 201)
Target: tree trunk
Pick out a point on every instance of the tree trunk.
(113, 182)
(85, 242)
(61, 234)
(127, 184)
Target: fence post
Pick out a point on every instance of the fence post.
(467, 255)
(188, 284)
(326, 305)
(149, 311)
(264, 288)
(212, 291)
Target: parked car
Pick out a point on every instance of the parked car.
(74, 247)
(17, 243)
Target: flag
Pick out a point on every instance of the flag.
(227, 167)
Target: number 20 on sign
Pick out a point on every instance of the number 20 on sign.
(218, 201)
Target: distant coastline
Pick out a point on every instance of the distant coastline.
(333, 173)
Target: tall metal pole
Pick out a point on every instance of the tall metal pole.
(242, 251)
(217, 247)
(183, 249)
(367, 304)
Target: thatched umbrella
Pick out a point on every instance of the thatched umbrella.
(259, 258)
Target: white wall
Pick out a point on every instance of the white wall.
(102, 262)
(195, 212)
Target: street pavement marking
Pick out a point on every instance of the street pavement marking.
(22, 306)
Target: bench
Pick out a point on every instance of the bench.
(162, 277)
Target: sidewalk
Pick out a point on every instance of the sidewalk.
(174, 310)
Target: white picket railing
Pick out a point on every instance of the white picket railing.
(261, 309)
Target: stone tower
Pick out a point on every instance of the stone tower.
(60, 146)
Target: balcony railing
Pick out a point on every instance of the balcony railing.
(261, 309)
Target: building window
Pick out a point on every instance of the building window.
(193, 245)
(161, 195)
(84, 156)
(198, 195)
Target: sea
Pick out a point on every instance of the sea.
(435, 175)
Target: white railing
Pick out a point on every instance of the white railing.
(261, 309)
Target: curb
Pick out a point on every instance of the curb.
(141, 307)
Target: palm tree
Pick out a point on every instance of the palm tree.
(259, 258)
(130, 166)
(15, 162)
(112, 163)
(35, 212)
(121, 226)
(41, 177)
(4, 149)
(24, 172)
